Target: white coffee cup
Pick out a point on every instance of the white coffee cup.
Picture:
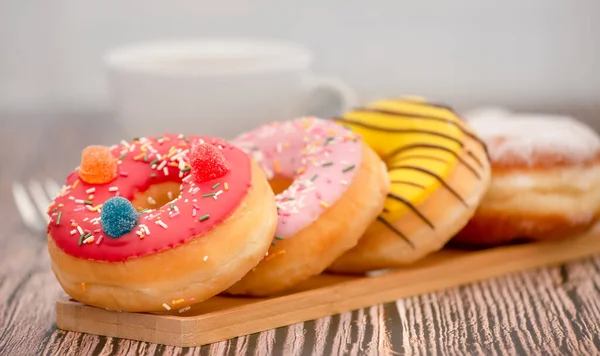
(215, 87)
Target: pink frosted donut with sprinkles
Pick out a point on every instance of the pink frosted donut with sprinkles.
(329, 187)
(159, 223)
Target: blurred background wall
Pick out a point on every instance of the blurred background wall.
(529, 53)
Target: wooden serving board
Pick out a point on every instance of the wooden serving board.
(221, 318)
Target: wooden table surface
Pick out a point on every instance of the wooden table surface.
(548, 311)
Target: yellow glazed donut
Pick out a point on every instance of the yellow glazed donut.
(439, 172)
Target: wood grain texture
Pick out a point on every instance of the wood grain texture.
(550, 311)
(222, 318)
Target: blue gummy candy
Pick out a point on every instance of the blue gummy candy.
(118, 217)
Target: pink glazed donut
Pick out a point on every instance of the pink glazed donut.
(331, 187)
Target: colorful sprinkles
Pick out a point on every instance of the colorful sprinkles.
(320, 156)
(81, 212)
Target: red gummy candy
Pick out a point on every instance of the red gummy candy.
(207, 163)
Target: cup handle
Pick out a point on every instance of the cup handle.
(343, 93)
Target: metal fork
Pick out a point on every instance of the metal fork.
(33, 202)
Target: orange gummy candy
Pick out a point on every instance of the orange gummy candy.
(98, 165)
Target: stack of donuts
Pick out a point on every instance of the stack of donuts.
(161, 223)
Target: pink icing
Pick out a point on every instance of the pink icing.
(321, 156)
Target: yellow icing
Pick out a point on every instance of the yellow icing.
(404, 116)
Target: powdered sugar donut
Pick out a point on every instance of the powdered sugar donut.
(337, 187)
(545, 177)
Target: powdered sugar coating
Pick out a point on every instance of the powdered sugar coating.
(521, 137)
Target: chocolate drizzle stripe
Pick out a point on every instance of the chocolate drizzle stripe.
(431, 174)
(402, 114)
(424, 103)
(475, 158)
(409, 116)
(391, 227)
(399, 131)
(411, 207)
(406, 182)
(436, 147)
(433, 158)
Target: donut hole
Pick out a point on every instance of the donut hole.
(156, 195)
(279, 184)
